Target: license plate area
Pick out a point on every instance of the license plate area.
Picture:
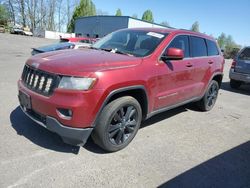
(24, 100)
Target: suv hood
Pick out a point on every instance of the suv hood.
(76, 62)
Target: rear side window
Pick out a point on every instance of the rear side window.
(212, 48)
(245, 54)
(198, 47)
(181, 42)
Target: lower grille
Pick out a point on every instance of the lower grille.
(40, 81)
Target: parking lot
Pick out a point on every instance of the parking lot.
(179, 148)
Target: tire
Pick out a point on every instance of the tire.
(235, 84)
(118, 124)
(210, 97)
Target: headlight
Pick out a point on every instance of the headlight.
(76, 83)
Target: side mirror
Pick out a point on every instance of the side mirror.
(173, 54)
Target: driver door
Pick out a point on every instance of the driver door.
(175, 77)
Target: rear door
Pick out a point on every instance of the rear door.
(243, 61)
(203, 64)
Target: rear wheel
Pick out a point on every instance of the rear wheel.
(118, 124)
(209, 99)
(235, 84)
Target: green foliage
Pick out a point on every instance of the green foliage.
(148, 16)
(222, 40)
(4, 15)
(85, 8)
(195, 27)
(231, 51)
(118, 12)
(227, 43)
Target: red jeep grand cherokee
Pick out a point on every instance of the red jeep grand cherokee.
(126, 77)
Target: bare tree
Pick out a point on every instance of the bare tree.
(32, 12)
(68, 12)
(59, 5)
(41, 22)
(22, 11)
(44, 14)
(51, 15)
(12, 11)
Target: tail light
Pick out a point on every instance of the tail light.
(233, 64)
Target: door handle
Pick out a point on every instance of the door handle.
(210, 62)
(189, 65)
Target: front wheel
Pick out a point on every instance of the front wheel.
(210, 97)
(118, 124)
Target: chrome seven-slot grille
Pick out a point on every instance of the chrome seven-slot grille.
(39, 81)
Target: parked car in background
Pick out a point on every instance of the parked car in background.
(27, 33)
(240, 70)
(124, 78)
(21, 31)
(79, 39)
(2, 29)
(17, 31)
(59, 46)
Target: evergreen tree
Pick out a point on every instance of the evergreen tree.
(118, 12)
(195, 27)
(4, 15)
(148, 16)
(85, 8)
(222, 40)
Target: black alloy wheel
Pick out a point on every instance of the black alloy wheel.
(208, 100)
(212, 95)
(118, 124)
(123, 124)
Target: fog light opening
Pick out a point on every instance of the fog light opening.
(64, 113)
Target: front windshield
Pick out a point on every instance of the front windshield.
(131, 42)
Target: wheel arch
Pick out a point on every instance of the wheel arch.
(218, 77)
(138, 92)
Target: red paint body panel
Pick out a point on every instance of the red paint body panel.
(165, 84)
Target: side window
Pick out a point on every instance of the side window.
(212, 48)
(181, 42)
(198, 47)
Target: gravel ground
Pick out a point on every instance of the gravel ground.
(178, 148)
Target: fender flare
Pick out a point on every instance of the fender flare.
(116, 91)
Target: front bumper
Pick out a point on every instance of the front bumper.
(72, 136)
(239, 76)
(84, 105)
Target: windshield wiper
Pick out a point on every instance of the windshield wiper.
(106, 49)
(124, 53)
(116, 51)
(94, 48)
